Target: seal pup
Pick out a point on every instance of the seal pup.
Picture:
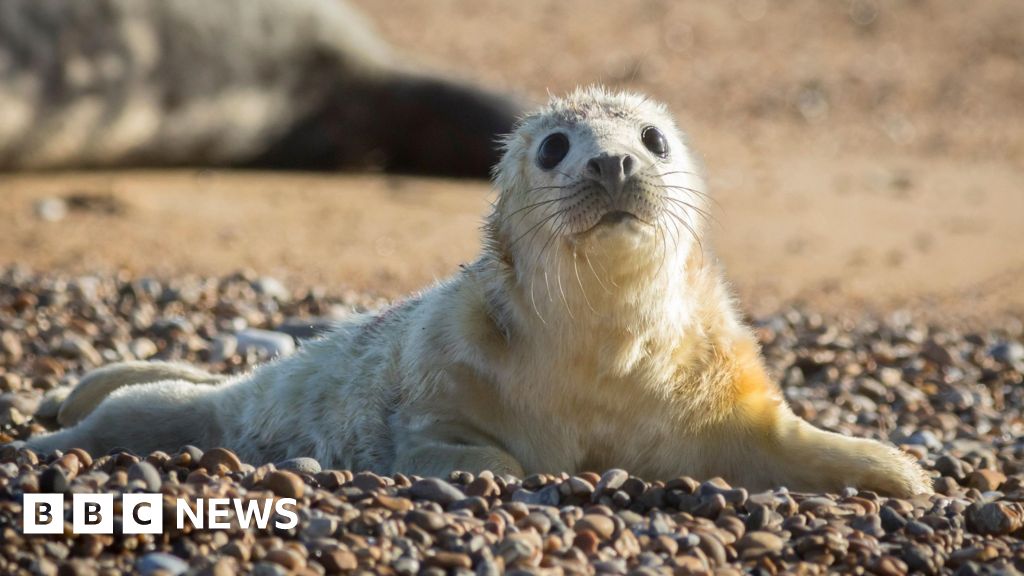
(291, 84)
(593, 332)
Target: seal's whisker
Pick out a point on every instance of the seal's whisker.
(659, 233)
(594, 272)
(700, 193)
(536, 227)
(561, 290)
(576, 268)
(703, 213)
(693, 233)
(674, 172)
(528, 208)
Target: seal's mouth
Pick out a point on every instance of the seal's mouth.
(616, 217)
(616, 220)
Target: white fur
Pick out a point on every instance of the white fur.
(573, 348)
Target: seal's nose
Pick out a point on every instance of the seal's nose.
(611, 170)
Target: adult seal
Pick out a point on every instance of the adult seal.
(593, 332)
(290, 84)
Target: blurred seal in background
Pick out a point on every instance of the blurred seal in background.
(284, 84)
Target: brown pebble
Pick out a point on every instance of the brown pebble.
(285, 484)
(339, 560)
(986, 479)
(393, 503)
(483, 487)
(215, 458)
(602, 526)
(83, 457)
(287, 558)
(445, 559)
(758, 543)
(587, 541)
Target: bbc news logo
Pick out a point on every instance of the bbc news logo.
(144, 513)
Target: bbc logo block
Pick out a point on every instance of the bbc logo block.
(93, 514)
(143, 513)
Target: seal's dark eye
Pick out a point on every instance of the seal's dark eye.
(552, 150)
(655, 141)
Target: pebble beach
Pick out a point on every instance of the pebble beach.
(949, 395)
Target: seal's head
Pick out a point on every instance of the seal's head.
(598, 174)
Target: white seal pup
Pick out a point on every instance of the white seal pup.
(592, 332)
(293, 84)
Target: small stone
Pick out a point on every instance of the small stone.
(549, 495)
(320, 527)
(758, 543)
(599, 524)
(950, 466)
(216, 459)
(1008, 353)
(54, 480)
(287, 558)
(52, 400)
(223, 347)
(610, 481)
(449, 560)
(306, 328)
(10, 346)
(997, 518)
(576, 487)
(285, 484)
(437, 490)
(484, 487)
(339, 560)
(393, 503)
(160, 563)
(265, 342)
(50, 209)
(368, 482)
(10, 382)
(272, 287)
(986, 479)
(142, 348)
(429, 521)
(302, 465)
(147, 473)
(74, 346)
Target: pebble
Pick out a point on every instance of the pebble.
(599, 524)
(302, 465)
(147, 473)
(265, 342)
(219, 460)
(437, 490)
(142, 348)
(50, 209)
(285, 484)
(223, 347)
(952, 396)
(997, 518)
(156, 563)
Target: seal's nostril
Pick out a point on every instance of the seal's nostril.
(594, 167)
(628, 164)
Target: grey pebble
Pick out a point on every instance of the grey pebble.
(147, 473)
(437, 490)
(161, 561)
(304, 465)
(265, 342)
